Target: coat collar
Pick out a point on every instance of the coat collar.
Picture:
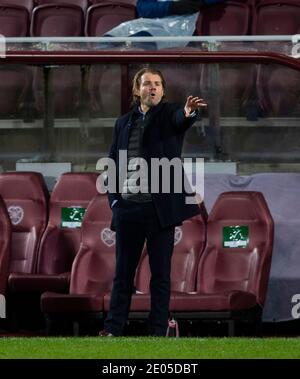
(135, 112)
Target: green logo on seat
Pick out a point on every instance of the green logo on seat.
(71, 217)
(236, 236)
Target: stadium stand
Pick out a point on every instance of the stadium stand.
(91, 275)
(234, 268)
(232, 90)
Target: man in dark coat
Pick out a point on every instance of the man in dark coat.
(152, 131)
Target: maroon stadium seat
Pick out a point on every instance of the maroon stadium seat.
(279, 17)
(231, 81)
(131, 2)
(234, 268)
(5, 239)
(26, 198)
(15, 17)
(104, 16)
(188, 245)
(92, 270)
(80, 3)
(278, 86)
(101, 17)
(57, 20)
(64, 83)
(61, 239)
(229, 18)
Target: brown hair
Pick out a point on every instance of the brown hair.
(136, 82)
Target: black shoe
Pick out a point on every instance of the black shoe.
(105, 333)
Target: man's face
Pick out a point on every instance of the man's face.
(150, 91)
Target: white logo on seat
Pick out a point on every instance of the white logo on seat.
(178, 235)
(296, 51)
(16, 214)
(108, 237)
(2, 307)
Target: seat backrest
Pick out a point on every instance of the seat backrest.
(104, 16)
(273, 17)
(5, 239)
(94, 266)
(70, 198)
(239, 246)
(57, 20)
(26, 198)
(27, 4)
(131, 2)
(229, 18)
(15, 18)
(189, 242)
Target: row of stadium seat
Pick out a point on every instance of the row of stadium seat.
(77, 265)
(75, 91)
(78, 92)
(75, 18)
(214, 274)
(41, 250)
(82, 18)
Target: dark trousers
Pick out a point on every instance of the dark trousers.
(135, 223)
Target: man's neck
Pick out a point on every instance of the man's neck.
(144, 108)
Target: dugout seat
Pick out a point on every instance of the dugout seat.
(26, 198)
(189, 243)
(61, 239)
(92, 270)
(59, 245)
(234, 268)
(5, 239)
